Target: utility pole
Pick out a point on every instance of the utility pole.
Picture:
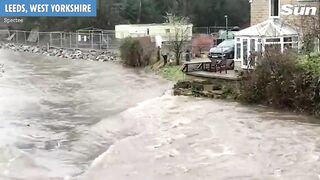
(140, 12)
(185, 7)
(226, 17)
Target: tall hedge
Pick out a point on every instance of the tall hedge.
(282, 81)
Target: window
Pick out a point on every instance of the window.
(273, 48)
(238, 55)
(287, 39)
(252, 45)
(274, 8)
(259, 46)
(287, 46)
(273, 40)
(245, 51)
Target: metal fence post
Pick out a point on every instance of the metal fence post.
(101, 40)
(17, 37)
(108, 41)
(70, 40)
(61, 44)
(50, 39)
(38, 38)
(25, 37)
(91, 40)
(77, 36)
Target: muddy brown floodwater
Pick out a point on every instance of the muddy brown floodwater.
(69, 119)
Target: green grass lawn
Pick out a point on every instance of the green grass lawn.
(172, 73)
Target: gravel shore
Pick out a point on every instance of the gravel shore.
(81, 54)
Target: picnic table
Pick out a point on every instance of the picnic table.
(203, 64)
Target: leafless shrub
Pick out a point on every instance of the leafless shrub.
(137, 52)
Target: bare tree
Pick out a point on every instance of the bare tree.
(311, 32)
(310, 28)
(181, 33)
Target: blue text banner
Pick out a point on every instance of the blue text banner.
(62, 8)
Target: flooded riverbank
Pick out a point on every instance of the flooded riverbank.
(186, 138)
(89, 120)
(49, 105)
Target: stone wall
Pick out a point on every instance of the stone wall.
(217, 88)
(259, 11)
(210, 88)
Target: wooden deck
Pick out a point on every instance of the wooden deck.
(199, 69)
(231, 76)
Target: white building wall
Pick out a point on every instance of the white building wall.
(166, 31)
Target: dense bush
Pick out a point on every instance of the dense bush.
(283, 81)
(137, 52)
(311, 62)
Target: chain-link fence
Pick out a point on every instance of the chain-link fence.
(93, 40)
(211, 29)
(100, 39)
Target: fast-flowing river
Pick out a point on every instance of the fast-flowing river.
(68, 119)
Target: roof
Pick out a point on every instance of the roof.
(154, 24)
(93, 29)
(270, 28)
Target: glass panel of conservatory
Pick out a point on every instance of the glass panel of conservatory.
(295, 39)
(273, 48)
(238, 51)
(273, 40)
(252, 45)
(288, 46)
(287, 39)
(259, 45)
(295, 45)
(245, 52)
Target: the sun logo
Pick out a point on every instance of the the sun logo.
(289, 9)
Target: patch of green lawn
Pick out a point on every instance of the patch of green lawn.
(172, 73)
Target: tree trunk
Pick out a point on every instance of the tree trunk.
(178, 56)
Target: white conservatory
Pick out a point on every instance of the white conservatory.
(256, 39)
